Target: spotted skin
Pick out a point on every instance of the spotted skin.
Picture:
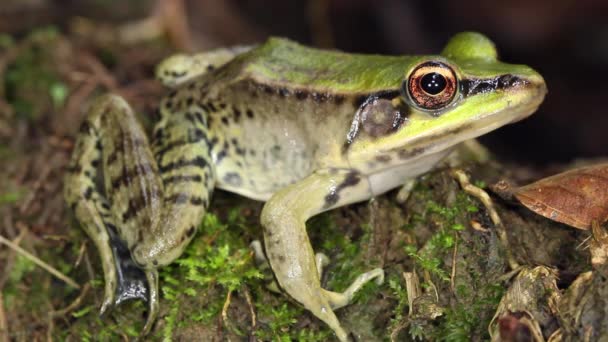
(305, 130)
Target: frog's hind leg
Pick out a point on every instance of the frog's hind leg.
(95, 146)
(153, 202)
(179, 69)
(290, 254)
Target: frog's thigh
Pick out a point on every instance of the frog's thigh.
(287, 245)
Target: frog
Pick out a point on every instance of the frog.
(304, 130)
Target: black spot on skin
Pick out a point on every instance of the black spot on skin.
(178, 74)
(249, 113)
(331, 199)
(182, 179)
(198, 162)
(237, 114)
(200, 118)
(198, 201)
(127, 175)
(190, 118)
(189, 101)
(252, 152)
(267, 89)
(301, 94)
(211, 107)
(210, 67)
(352, 178)
(383, 158)
(225, 120)
(88, 193)
(87, 174)
(155, 262)
(222, 106)
(179, 198)
(233, 178)
(234, 142)
(319, 97)
(338, 99)
(98, 145)
(172, 93)
(240, 151)
(136, 204)
(281, 258)
(194, 136)
(213, 142)
(221, 155)
(283, 92)
(105, 206)
(407, 154)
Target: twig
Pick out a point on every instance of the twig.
(75, 304)
(251, 309)
(3, 323)
(225, 308)
(39, 262)
(83, 248)
(453, 275)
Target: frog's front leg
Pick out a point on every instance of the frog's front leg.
(288, 248)
(153, 202)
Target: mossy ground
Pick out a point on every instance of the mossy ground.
(432, 234)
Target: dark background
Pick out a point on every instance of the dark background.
(565, 40)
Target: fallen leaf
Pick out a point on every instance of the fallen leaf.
(576, 197)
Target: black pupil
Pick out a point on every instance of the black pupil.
(433, 83)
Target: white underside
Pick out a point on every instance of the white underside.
(390, 178)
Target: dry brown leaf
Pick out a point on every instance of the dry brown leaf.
(576, 197)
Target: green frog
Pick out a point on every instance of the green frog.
(303, 129)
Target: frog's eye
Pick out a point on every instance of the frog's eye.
(431, 86)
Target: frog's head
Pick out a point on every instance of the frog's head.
(443, 100)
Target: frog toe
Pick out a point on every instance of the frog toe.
(338, 300)
(153, 305)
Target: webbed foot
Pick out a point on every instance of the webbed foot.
(132, 282)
